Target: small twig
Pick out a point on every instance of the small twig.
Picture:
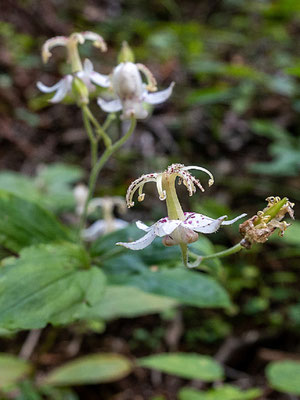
(30, 343)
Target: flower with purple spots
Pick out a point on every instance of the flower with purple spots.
(176, 232)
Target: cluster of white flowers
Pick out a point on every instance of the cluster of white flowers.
(127, 89)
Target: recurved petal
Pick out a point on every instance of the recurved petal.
(166, 226)
(110, 106)
(95, 230)
(140, 243)
(63, 89)
(202, 223)
(100, 79)
(232, 221)
(48, 89)
(143, 226)
(158, 97)
(88, 66)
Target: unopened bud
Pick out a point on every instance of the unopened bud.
(125, 54)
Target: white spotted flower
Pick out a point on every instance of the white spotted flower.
(178, 228)
(131, 93)
(84, 73)
(108, 223)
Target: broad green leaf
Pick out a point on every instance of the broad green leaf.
(284, 376)
(96, 368)
(48, 284)
(185, 365)
(51, 188)
(292, 234)
(24, 223)
(188, 287)
(226, 392)
(12, 369)
(128, 302)
(19, 185)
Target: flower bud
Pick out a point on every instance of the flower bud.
(125, 54)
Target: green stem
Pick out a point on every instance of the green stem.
(100, 131)
(93, 140)
(98, 166)
(199, 259)
(109, 119)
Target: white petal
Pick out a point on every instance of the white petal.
(109, 106)
(143, 226)
(159, 97)
(49, 89)
(120, 223)
(64, 88)
(232, 221)
(88, 66)
(95, 230)
(100, 79)
(140, 243)
(166, 226)
(202, 223)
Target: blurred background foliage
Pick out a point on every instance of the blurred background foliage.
(235, 110)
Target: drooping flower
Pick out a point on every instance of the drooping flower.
(178, 228)
(85, 73)
(131, 93)
(260, 227)
(108, 223)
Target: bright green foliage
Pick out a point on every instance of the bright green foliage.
(12, 369)
(126, 301)
(226, 392)
(24, 223)
(51, 187)
(96, 368)
(183, 285)
(185, 365)
(284, 376)
(48, 283)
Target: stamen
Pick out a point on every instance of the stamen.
(50, 44)
(97, 40)
(135, 185)
(141, 194)
(211, 180)
(151, 81)
(162, 193)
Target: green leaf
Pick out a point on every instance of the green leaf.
(51, 188)
(128, 302)
(24, 223)
(187, 287)
(12, 369)
(226, 392)
(185, 365)
(210, 95)
(48, 284)
(284, 376)
(96, 368)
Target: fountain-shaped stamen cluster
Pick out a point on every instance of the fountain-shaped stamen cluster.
(174, 170)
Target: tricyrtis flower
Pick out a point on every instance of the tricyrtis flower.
(108, 223)
(85, 73)
(178, 228)
(258, 228)
(176, 232)
(131, 92)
